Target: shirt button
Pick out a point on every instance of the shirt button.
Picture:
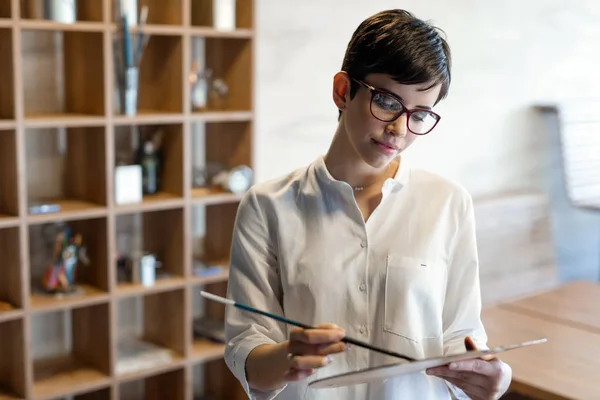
(363, 244)
(363, 287)
(363, 330)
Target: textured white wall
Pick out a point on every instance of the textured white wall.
(507, 56)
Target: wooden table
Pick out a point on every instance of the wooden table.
(568, 365)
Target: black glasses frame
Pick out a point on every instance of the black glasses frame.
(374, 91)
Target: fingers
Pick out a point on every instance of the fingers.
(302, 348)
(474, 392)
(471, 346)
(318, 335)
(463, 376)
(309, 362)
(477, 366)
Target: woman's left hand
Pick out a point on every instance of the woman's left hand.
(480, 378)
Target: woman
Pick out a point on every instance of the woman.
(362, 244)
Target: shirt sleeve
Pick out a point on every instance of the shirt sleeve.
(462, 309)
(254, 281)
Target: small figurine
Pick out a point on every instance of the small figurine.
(60, 275)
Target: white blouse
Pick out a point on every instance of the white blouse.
(406, 280)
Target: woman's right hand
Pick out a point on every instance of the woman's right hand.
(308, 349)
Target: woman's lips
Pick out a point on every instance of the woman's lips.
(387, 148)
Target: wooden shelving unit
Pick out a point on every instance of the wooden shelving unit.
(70, 104)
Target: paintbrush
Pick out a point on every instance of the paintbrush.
(352, 341)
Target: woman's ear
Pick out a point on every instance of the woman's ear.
(341, 89)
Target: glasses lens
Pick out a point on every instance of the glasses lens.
(385, 108)
(422, 122)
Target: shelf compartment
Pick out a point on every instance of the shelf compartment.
(167, 385)
(12, 367)
(150, 332)
(65, 73)
(230, 60)
(78, 360)
(5, 9)
(160, 79)
(7, 98)
(212, 379)
(79, 155)
(9, 192)
(160, 12)
(86, 10)
(11, 288)
(168, 142)
(160, 233)
(92, 280)
(202, 13)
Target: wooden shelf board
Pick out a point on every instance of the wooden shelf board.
(149, 117)
(222, 116)
(203, 196)
(153, 202)
(7, 124)
(8, 221)
(204, 350)
(70, 210)
(177, 362)
(10, 315)
(220, 277)
(6, 23)
(90, 296)
(161, 285)
(65, 376)
(43, 25)
(62, 120)
(216, 33)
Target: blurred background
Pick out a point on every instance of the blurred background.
(130, 129)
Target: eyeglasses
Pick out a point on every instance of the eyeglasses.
(387, 107)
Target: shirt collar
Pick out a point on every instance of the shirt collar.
(399, 180)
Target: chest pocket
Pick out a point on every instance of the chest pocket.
(414, 293)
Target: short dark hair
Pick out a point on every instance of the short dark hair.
(396, 43)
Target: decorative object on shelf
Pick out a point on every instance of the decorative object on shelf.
(61, 274)
(42, 207)
(150, 168)
(136, 355)
(207, 90)
(199, 83)
(199, 177)
(128, 50)
(63, 11)
(236, 180)
(224, 15)
(209, 328)
(204, 270)
(144, 269)
(128, 8)
(128, 184)
(218, 95)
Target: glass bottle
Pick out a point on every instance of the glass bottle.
(150, 169)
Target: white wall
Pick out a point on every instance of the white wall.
(507, 56)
